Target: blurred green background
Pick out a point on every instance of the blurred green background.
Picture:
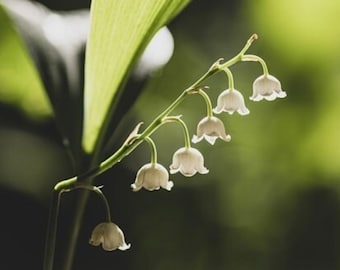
(271, 199)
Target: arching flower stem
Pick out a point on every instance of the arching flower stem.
(152, 149)
(230, 78)
(207, 101)
(178, 119)
(98, 191)
(255, 58)
(206, 98)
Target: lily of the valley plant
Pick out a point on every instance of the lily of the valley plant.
(187, 160)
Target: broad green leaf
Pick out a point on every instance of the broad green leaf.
(119, 31)
(20, 84)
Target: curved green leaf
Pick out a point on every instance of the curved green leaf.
(119, 32)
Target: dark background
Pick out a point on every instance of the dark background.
(271, 199)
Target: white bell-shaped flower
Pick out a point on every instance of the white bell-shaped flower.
(230, 101)
(188, 161)
(110, 236)
(152, 176)
(267, 87)
(210, 128)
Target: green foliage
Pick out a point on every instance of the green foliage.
(119, 32)
(20, 84)
(310, 30)
(308, 44)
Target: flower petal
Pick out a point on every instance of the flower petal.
(124, 246)
(196, 139)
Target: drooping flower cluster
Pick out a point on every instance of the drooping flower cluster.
(187, 160)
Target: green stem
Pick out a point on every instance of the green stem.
(255, 58)
(52, 232)
(183, 125)
(239, 56)
(98, 191)
(153, 150)
(127, 148)
(106, 203)
(248, 44)
(207, 100)
(230, 78)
